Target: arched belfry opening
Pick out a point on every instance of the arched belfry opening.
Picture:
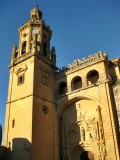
(24, 45)
(16, 54)
(44, 49)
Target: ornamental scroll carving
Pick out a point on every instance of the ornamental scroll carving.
(85, 132)
(82, 63)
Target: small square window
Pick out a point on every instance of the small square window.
(20, 79)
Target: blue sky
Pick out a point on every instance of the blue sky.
(80, 28)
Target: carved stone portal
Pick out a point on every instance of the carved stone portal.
(82, 131)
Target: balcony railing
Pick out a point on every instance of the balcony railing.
(76, 86)
(93, 80)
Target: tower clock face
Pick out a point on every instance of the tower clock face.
(35, 31)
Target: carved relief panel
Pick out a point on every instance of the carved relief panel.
(82, 130)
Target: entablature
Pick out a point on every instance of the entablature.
(30, 54)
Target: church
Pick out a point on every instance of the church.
(71, 113)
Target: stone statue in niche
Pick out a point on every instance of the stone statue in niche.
(91, 129)
(88, 128)
(100, 123)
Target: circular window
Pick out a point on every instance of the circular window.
(45, 109)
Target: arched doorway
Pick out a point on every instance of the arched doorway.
(78, 130)
(87, 155)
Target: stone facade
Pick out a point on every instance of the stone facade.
(86, 108)
(71, 113)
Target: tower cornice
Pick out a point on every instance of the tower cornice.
(29, 55)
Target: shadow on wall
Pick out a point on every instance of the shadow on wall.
(4, 153)
(69, 132)
(20, 149)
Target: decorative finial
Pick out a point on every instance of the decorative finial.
(15, 45)
(37, 5)
(53, 48)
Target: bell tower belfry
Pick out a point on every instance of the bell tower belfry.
(31, 125)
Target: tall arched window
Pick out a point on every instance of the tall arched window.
(24, 47)
(38, 46)
(44, 49)
(92, 77)
(62, 88)
(76, 83)
(16, 55)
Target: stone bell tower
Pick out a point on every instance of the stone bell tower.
(30, 125)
